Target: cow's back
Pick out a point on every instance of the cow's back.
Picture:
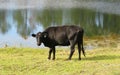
(62, 31)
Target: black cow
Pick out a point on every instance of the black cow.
(63, 36)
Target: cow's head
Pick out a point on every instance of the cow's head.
(38, 38)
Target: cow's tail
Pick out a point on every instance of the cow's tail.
(83, 51)
(82, 34)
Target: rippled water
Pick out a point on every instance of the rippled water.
(19, 18)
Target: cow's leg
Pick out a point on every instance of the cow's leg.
(79, 50)
(54, 51)
(50, 51)
(72, 47)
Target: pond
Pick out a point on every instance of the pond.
(18, 22)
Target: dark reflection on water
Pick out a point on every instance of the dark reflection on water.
(17, 25)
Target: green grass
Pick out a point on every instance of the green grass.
(32, 61)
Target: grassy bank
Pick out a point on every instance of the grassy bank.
(31, 61)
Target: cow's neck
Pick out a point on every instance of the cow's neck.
(48, 43)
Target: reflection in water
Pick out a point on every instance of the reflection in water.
(17, 25)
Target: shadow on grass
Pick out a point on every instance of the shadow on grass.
(102, 57)
(98, 57)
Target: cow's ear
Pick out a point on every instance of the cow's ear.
(33, 35)
(45, 34)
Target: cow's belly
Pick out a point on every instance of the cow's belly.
(64, 43)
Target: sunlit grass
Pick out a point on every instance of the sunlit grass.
(32, 61)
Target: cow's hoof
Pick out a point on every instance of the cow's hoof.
(53, 59)
(49, 58)
(79, 59)
(68, 59)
